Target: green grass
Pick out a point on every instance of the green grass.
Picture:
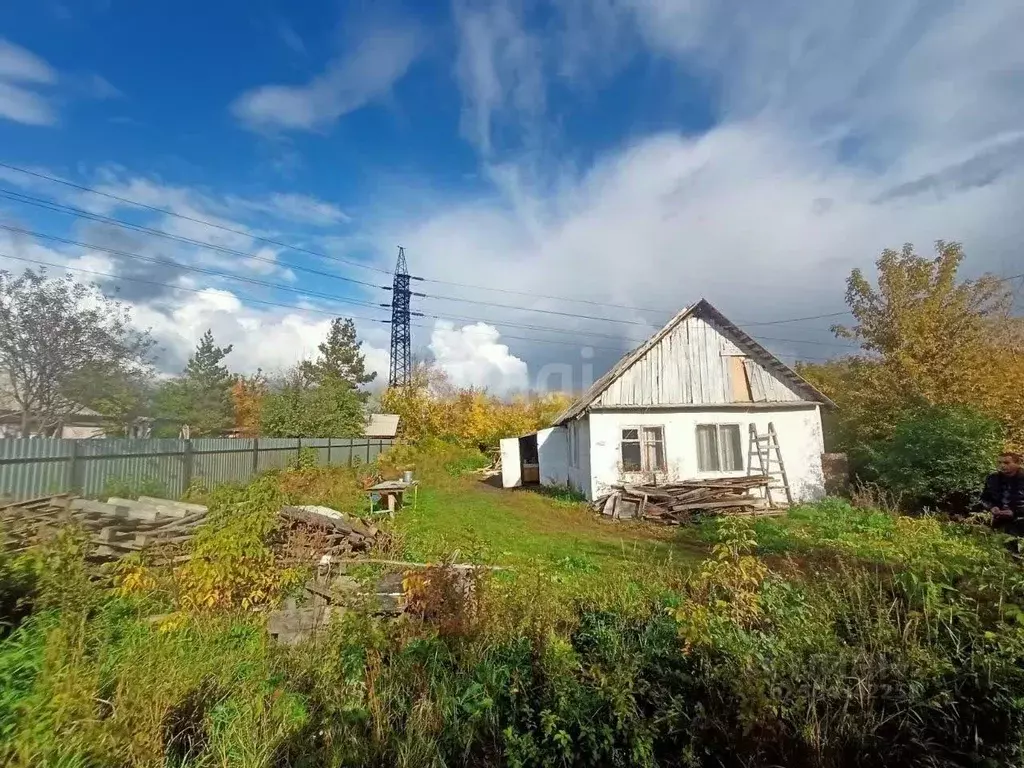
(479, 523)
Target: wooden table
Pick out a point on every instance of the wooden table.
(392, 492)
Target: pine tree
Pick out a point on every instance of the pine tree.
(340, 360)
(201, 396)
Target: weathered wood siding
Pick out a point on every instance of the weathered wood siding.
(690, 365)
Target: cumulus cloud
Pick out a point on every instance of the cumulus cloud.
(271, 340)
(349, 83)
(22, 76)
(472, 356)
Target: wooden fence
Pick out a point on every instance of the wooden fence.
(31, 467)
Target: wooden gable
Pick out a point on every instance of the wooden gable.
(698, 358)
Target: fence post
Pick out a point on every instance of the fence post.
(186, 461)
(255, 455)
(74, 469)
(328, 451)
(351, 451)
(367, 450)
(298, 451)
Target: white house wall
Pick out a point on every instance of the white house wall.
(800, 440)
(553, 455)
(579, 460)
(691, 366)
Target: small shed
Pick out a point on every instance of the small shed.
(381, 425)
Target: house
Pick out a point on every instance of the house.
(679, 406)
(84, 423)
(381, 425)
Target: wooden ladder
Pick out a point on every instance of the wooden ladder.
(769, 461)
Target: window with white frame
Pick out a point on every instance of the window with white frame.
(643, 449)
(718, 448)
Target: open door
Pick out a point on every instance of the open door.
(529, 459)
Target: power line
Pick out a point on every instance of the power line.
(595, 334)
(83, 214)
(111, 276)
(178, 265)
(194, 219)
(300, 249)
(329, 297)
(182, 288)
(308, 251)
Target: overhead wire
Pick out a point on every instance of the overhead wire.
(89, 215)
(187, 267)
(20, 197)
(308, 251)
(292, 289)
(251, 299)
(173, 287)
(194, 219)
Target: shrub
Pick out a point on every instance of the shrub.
(938, 455)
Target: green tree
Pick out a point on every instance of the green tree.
(295, 407)
(938, 453)
(928, 338)
(201, 396)
(54, 334)
(122, 394)
(340, 360)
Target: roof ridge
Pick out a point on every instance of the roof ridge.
(765, 357)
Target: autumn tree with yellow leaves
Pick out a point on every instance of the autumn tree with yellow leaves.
(431, 406)
(927, 339)
(247, 395)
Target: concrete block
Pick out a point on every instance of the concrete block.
(99, 508)
(142, 511)
(176, 508)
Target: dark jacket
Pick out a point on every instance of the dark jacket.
(1005, 491)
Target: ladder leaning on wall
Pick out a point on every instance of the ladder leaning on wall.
(765, 448)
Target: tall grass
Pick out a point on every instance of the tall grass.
(832, 637)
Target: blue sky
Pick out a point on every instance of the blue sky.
(634, 154)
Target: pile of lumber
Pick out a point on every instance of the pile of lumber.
(116, 527)
(321, 531)
(680, 502)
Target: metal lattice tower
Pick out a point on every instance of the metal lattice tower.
(401, 338)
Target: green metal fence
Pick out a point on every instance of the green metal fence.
(32, 466)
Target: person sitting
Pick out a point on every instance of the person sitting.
(1003, 494)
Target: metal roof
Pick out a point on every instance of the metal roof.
(704, 310)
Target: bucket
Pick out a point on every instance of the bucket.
(407, 476)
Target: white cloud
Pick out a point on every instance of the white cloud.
(22, 73)
(843, 128)
(500, 69)
(349, 83)
(272, 340)
(295, 208)
(472, 356)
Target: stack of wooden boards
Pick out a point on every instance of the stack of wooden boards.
(328, 532)
(117, 527)
(679, 502)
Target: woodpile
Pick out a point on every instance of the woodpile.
(682, 501)
(313, 532)
(117, 527)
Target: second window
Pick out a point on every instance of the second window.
(718, 448)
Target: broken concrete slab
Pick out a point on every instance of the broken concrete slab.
(297, 624)
(183, 507)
